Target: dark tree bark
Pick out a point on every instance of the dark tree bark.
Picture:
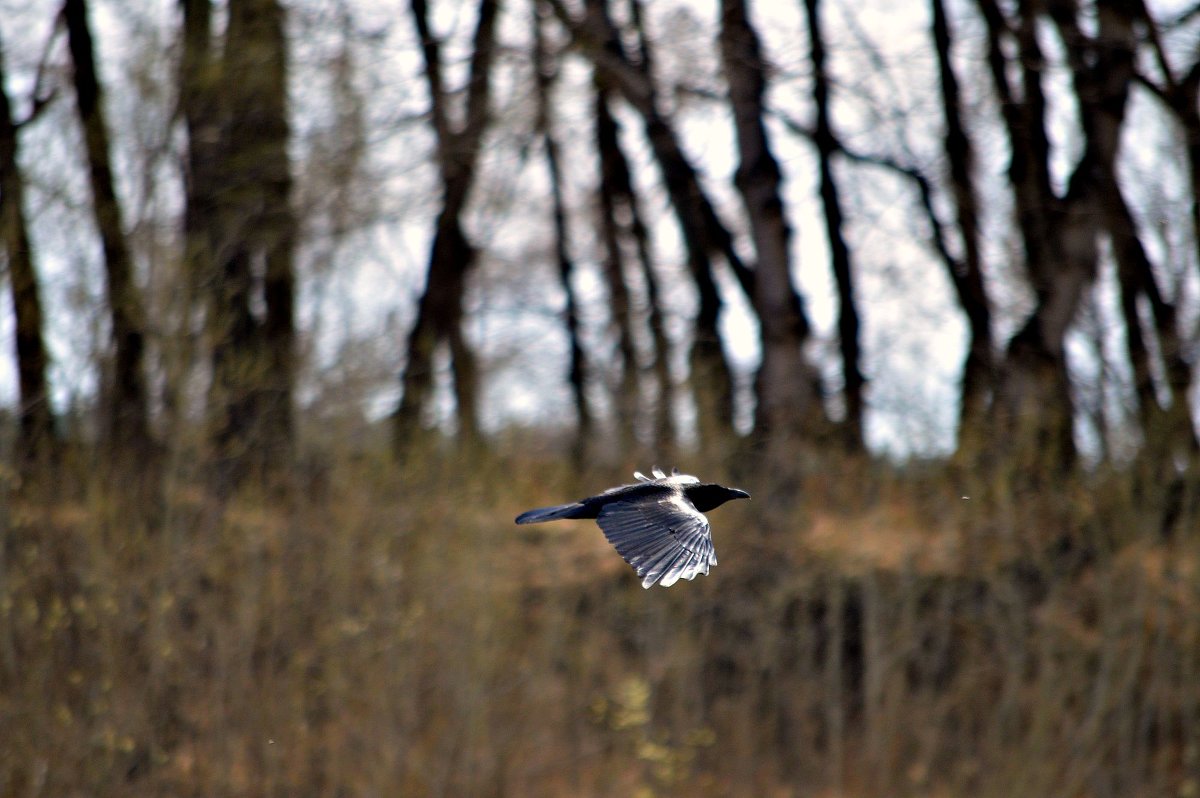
(252, 354)
(203, 117)
(126, 425)
(199, 89)
(621, 213)
(979, 371)
(36, 439)
(787, 385)
(1033, 415)
(240, 230)
(664, 434)
(966, 271)
(848, 324)
(1103, 69)
(276, 241)
(613, 267)
(577, 370)
(704, 235)
(1181, 95)
(1061, 233)
(632, 77)
(451, 257)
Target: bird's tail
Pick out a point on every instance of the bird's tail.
(549, 513)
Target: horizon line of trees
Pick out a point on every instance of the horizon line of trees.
(1002, 74)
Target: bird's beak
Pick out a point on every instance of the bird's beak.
(738, 494)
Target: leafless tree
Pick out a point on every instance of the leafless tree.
(704, 235)
(1033, 413)
(36, 439)
(965, 270)
(451, 256)
(126, 408)
(827, 145)
(787, 387)
(623, 223)
(577, 371)
(240, 230)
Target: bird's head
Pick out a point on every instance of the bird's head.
(709, 497)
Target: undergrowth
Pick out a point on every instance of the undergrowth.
(370, 629)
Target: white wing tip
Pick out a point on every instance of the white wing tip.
(658, 473)
(671, 576)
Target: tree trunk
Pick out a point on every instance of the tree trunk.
(665, 434)
(240, 231)
(451, 257)
(848, 324)
(610, 193)
(36, 439)
(1033, 414)
(1104, 71)
(703, 232)
(577, 369)
(438, 312)
(1188, 113)
(618, 202)
(253, 352)
(966, 272)
(1182, 97)
(127, 425)
(787, 385)
(625, 400)
(277, 243)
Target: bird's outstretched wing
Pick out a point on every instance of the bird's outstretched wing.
(664, 538)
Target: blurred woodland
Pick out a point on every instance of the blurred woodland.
(310, 299)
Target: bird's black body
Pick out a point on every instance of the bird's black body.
(656, 525)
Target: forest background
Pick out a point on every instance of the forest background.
(305, 301)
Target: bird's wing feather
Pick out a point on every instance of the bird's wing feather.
(664, 538)
(658, 476)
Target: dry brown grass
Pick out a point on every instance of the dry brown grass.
(387, 632)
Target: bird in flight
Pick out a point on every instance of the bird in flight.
(657, 525)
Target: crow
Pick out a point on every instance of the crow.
(656, 525)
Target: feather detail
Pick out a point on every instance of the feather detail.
(657, 524)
